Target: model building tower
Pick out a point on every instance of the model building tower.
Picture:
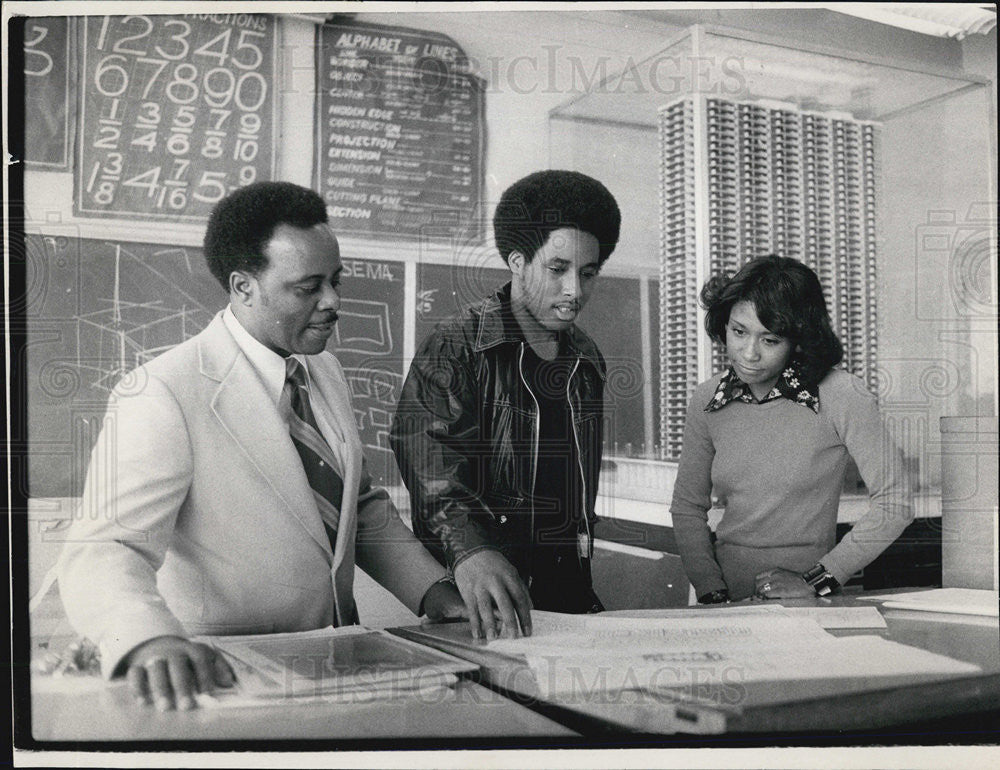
(741, 180)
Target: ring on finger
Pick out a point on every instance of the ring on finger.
(765, 588)
(154, 661)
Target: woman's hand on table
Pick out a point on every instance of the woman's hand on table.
(782, 584)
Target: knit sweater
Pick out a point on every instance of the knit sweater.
(780, 468)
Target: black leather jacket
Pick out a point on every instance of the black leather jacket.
(466, 414)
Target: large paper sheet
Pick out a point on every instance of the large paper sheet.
(827, 617)
(584, 634)
(963, 601)
(708, 663)
(839, 617)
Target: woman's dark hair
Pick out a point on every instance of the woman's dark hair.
(242, 224)
(788, 299)
(532, 207)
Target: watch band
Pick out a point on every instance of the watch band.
(449, 579)
(720, 596)
(821, 580)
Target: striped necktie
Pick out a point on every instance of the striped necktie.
(317, 457)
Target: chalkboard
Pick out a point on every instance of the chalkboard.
(612, 317)
(176, 112)
(368, 341)
(443, 290)
(400, 132)
(97, 309)
(48, 95)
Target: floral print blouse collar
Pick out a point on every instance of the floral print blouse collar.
(790, 385)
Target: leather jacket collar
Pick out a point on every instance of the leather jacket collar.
(496, 325)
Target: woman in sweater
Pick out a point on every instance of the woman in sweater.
(772, 436)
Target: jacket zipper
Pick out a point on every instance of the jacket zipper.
(579, 464)
(534, 463)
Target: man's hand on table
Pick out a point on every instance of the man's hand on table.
(491, 587)
(169, 670)
(443, 602)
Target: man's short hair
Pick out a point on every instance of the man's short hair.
(531, 208)
(241, 225)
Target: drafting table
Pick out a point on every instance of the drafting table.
(467, 715)
(470, 714)
(819, 706)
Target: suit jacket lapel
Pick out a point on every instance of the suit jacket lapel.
(244, 408)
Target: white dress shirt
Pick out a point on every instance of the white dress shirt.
(270, 367)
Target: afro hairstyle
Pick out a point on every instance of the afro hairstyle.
(535, 206)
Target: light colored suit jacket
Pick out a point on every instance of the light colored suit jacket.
(197, 517)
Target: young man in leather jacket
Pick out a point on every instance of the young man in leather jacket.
(498, 431)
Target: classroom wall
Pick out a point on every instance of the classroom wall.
(68, 391)
(938, 345)
(937, 306)
(916, 148)
(939, 356)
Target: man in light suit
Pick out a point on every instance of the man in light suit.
(202, 513)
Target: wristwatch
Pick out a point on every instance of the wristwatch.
(821, 580)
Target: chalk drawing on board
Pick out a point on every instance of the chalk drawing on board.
(128, 334)
(425, 301)
(363, 327)
(125, 341)
(373, 395)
